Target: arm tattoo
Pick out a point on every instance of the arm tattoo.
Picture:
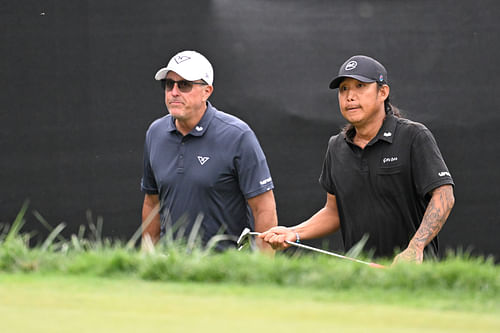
(435, 216)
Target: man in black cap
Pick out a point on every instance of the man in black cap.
(384, 175)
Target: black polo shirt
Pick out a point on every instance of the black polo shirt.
(383, 189)
(211, 172)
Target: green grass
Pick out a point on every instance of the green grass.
(101, 285)
(476, 277)
(57, 303)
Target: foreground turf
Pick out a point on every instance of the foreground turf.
(100, 285)
(57, 303)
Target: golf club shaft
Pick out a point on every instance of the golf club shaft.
(303, 246)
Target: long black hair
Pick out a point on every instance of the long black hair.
(388, 107)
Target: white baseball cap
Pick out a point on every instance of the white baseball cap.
(191, 65)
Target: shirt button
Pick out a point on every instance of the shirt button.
(181, 156)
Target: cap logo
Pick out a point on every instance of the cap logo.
(381, 78)
(351, 65)
(180, 59)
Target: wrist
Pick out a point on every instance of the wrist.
(418, 246)
(297, 236)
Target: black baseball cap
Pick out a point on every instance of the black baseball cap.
(361, 68)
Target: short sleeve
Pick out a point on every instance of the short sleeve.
(429, 169)
(326, 179)
(148, 181)
(251, 166)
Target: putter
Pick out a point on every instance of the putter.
(246, 233)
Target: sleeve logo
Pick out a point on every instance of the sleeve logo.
(265, 181)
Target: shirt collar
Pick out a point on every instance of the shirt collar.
(385, 133)
(201, 127)
(171, 124)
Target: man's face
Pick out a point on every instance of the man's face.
(361, 102)
(184, 106)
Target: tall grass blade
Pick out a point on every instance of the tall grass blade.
(99, 229)
(53, 235)
(76, 243)
(96, 229)
(219, 238)
(81, 232)
(46, 224)
(3, 231)
(147, 244)
(172, 228)
(194, 232)
(357, 249)
(138, 233)
(18, 223)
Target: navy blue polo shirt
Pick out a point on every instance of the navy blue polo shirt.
(211, 171)
(383, 189)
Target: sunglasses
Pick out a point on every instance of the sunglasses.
(183, 85)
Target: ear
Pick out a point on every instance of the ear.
(384, 92)
(207, 91)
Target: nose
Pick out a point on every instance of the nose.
(350, 94)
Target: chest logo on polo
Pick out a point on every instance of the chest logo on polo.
(203, 159)
(389, 159)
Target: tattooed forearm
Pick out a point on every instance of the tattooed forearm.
(435, 216)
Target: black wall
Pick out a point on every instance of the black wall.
(77, 95)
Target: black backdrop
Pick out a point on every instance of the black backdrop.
(77, 95)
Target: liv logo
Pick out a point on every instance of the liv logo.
(181, 58)
(203, 159)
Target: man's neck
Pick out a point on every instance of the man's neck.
(184, 126)
(366, 132)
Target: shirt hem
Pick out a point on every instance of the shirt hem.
(147, 191)
(437, 184)
(259, 191)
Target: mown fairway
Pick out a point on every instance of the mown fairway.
(99, 285)
(61, 303)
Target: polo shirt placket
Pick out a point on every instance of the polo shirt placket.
(182, 152)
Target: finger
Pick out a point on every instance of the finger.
(279, 241)
(268, 236)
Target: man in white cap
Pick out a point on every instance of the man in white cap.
(384, 175)
(204, 168)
